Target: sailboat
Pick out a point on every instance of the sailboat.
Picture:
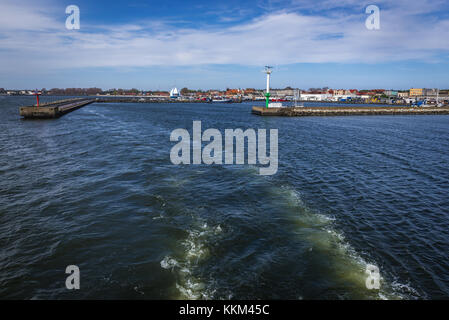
(439, 104)
(297, 97)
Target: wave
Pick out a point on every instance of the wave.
(184, 265)
(347, 263)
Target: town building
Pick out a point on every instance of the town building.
(430, 93)
(416, 92)
(315, 96)
(283, 92)
(391, 93)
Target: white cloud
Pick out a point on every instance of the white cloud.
(32, 40)
(16, 16)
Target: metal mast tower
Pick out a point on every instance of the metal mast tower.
(37, 93)
(267, 95)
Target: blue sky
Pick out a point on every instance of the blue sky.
(154, 45)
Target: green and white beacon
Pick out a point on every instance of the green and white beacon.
(267, 95)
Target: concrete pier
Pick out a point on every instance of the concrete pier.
(347, 111)
(53, 109)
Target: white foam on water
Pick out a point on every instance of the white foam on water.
(195, 250)
(136, 289)
(407, 290)
(306, 217)
(348, 263)
(350, 266)
(169, 263)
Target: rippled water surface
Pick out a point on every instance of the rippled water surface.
(96, 189)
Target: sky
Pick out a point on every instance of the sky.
(156, 45)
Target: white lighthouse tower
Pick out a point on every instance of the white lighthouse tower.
(267, 95)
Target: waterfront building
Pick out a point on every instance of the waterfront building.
(430, 92)
(283, 92)
(316, 96)
(423, 92)
(391, 93)
(416, 92)
(233, 92)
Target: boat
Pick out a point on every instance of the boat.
(174, 93)
(222, 100)
(422, 104)
(278, 100)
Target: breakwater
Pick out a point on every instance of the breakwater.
(356, 102)
(347, 111)
(58, 108)
(53, 109)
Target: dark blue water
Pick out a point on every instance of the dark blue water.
(96, 189)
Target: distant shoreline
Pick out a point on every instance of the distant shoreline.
(155, 99)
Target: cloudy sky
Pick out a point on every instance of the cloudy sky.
(154, 45)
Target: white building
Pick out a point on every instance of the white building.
(315, 96)
(343, 97)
